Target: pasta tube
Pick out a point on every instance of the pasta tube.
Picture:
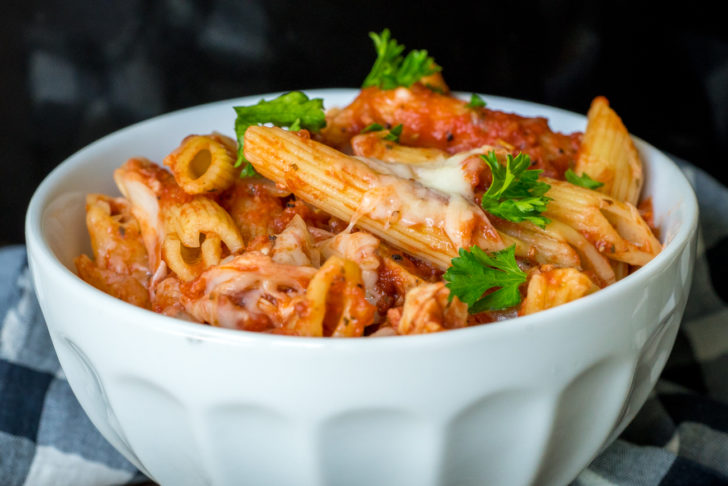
(188, 262)
(395, 278)
(608, 155)
(591, 259)
(541, 245)
(422, 222)
(361, 248)
(558, 244)
(115, 236)
(203, 164)
(195, 231)
(336, 303)
(373, 145)
(120, 266)
(615, 228)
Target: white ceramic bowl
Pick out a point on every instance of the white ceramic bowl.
(526, 401)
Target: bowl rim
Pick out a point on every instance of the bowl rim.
(38, 248)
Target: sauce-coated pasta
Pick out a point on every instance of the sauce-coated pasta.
(350, 231)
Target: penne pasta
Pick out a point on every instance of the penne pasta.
(375, 146)
(556, 244)
(615, 228)
(361, 248)
(620, 269)
(591, 259)
(448, 214)
(337, 306)
(608, 155)
(425, 223)
(540, 245)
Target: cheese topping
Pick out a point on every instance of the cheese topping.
(436, 194)
(446, 175)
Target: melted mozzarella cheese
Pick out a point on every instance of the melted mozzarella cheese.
(436, 194)
(446, 175)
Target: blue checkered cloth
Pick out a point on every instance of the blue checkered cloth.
(679, 438)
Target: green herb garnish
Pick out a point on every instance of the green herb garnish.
(476, 101)
(394, 134)
(474, 273)
(293, 110)
(391, 70)
(515, 193)
(583, 180)
(372, 127)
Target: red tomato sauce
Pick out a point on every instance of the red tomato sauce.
(432, 119)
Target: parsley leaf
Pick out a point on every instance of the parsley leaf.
(293, 110)
(583, 180)
(476, 101)
(515, 193)
(434, 88)
(474, 272)
(248, 171)
(391, 70)
(372, 127)
(296, 125)
(394, 134)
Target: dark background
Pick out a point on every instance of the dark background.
(75, 70)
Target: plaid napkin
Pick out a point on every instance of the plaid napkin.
(680, 436)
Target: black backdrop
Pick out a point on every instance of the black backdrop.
(75, 70)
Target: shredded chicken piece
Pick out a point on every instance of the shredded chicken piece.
(295, 245)
(361, 248)
(248, 291)
(550, 287)
(167, 299)
(427, 309)
(124, 287)
(145, 185)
